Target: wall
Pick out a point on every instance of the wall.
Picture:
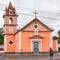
(26, 41)
(55, 45)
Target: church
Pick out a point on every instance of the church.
(33, 37)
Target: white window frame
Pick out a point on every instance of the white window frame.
(36, 32)
(40, 44)
(34, 27)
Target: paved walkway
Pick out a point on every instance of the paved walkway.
(20, 57)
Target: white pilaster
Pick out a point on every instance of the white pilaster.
(41, 45)
(5, 43)
(19, 41)
(51, 42)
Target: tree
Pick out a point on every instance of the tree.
(59, 33)
(1, 31)
(1, 39)
(58, 36)
(59, 40)
(1, 36)
(55, 37)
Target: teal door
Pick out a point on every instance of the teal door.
(58, 49)
(36, 46)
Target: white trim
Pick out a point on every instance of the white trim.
(40, 44)
(5, 39)
(5, 43)
(37, 26)
(5, 30)
(35, 32)
(31, 47)
(51, 42)
(19, 41)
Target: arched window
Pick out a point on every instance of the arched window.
(10, 20)
(36, 32)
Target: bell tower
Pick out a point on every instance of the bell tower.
(10, 28)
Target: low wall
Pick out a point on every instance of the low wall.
(1, 47)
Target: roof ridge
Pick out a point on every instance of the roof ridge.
(37, 20)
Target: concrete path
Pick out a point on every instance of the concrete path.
(20, 57)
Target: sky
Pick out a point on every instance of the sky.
(48, 12)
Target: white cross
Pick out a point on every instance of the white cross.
(35, 13)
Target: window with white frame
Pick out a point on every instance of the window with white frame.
(36, 32)
(35, 26)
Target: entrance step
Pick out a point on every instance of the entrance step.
(36, 53)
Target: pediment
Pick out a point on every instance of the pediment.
(36, 37)
(41, 26)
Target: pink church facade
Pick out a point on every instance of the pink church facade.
(34, 37)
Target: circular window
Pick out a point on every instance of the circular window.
(11, 29)
(35, 25)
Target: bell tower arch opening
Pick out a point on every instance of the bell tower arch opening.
(10, 20)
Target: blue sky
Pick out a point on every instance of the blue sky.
(45, 8)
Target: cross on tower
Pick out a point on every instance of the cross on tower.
(35, 13)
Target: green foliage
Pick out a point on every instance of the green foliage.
(1, 39)
(58, 36)
(58, 40)
(58, 33)
(55, 37)
(1, 36)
